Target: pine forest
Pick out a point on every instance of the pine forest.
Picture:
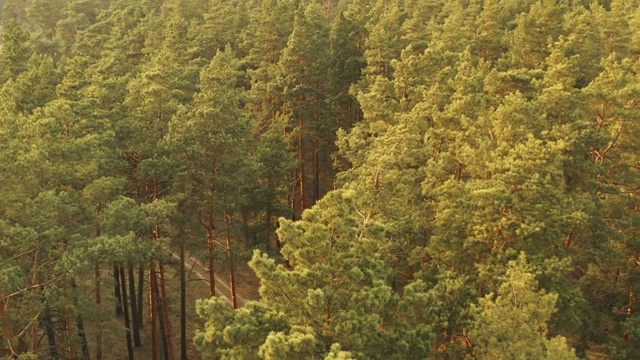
(320, 179)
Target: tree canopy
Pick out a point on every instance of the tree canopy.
(416, 179)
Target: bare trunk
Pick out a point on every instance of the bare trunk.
(83, 338)
(34, 280)
(232, 280)
(6, 326)
(67, 333)
(268, 226)
(161, 320)
(212, 274)
(98, 303)
(303, 194)
(293, 197)
(140, 297)
(316, 170)
(152, 311)
(47, 322)
(134, 307)
(183, 305)
(125, 311)
(165, 308)
(80, 325)
(116, 289)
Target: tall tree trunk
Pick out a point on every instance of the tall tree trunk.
(152, 311)
(183, 305)
(232, 279)
(83, 338)
(210, 242)
(68, 328)
(98, 292)
(34, 280)
(316, 170)
(98, 303)
(267, 226)
(80, 324)
(116, 289)
(316, 146)
(6, 327)
(134, 307)
(161, 320)
(140, 296)
(292, 198)
(125, 311)
(165, 310)
(47, 323)
(303, 194)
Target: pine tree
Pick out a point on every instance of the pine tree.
(334, 294)
(512, 323)
(16, 50)
(210, 140)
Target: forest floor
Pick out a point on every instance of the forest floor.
(197, 288)
(246, 282)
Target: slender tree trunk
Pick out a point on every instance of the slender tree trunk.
(232, 279)
(47, 322)
(68, 328)
(125, 311)
(316, 146)
(134, 307)
(183, 305)
(6, 327)
(161, 320)
(34, 280)
(98, 303)
(212, 274)
(140, 296)
(267, 226)
(293, 200)
(165, 310)
(83, 338)
(303, 194)
(80, 325)
(316, 170)
(116, 289)
(152, 311)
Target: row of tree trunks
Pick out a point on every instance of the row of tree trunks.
(208, 225)
(158, 305)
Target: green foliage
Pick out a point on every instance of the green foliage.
(16, 50)
(466, 133)
(512, 324)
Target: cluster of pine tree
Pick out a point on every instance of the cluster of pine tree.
(453, 178)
